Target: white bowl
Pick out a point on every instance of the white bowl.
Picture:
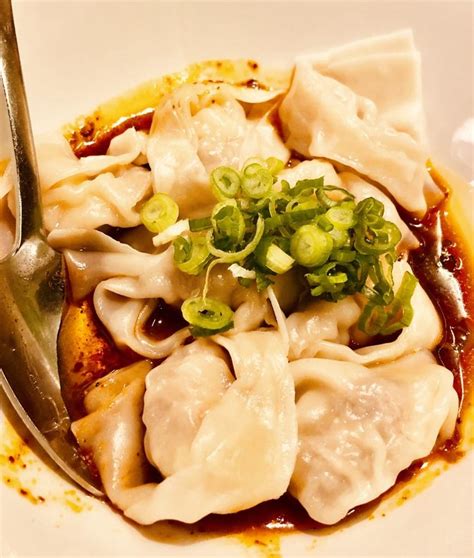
(76, 54)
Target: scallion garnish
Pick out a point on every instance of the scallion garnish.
(238, 255)
(159, 213)
(271, 257)
(311, 246)
(225, 182)
(257, 181)
(207, 316)
(260, 231)
(191, 256)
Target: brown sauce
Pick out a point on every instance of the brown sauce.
(88, 141)
(441, 267)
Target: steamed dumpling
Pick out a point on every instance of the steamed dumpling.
(179, 394)
(198, 128)
(127, 284)
(57, 161)
(92, 191)
(360, 427)
(113, 432)
(385, 69)
(232, 464)
(321, 320)
(235, 464)
(357, 186)
(108, 199)
(322, 117)
(424, 332)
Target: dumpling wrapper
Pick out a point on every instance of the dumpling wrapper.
(198, 128)
(57, 161)
(321, 320)
(360, 188)
(234, 464)
(424, 332)
(323, 117)
(387, 70)
(179, 394)
(92, 191)
(108, 199)
(360, 427)
(127, 283)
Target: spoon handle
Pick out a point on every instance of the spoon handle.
(28, 203)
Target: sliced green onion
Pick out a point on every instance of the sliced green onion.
(387, 319)
(159, 212)
(225, 182)
(331, 280)
(372, 319)
(349, 248)
(339, 237)
(207, 316)
(293, 218)
(228, 223)
(197, 225)
(380, 273)
(310, 246)
(262, 281)
(240, 255)
(274, 165)
(370, 206)
(270, 256)
(343, 256)
(326, 201)
(324, 223)
(302, 203)
(306, 186)
(171, 233)
(257, 181)
(240, 272)
(370, 242)
(191, 257)
(401, 312)
(341, 218)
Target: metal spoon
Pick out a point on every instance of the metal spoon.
(32, 289)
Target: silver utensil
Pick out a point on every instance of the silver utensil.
(32, 289)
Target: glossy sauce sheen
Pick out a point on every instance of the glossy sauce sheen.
(442, 271)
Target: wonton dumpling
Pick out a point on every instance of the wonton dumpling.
(362, 189)
(128, 282)
(57, 161)
(321, 320)
(113, 432)
(197, 128)
(360, 427)
(243, 453)
(179, 394)
(107, 199)
(322, 117)
(313, 168)
(385, 69)
(92, 191)
(424, 332)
